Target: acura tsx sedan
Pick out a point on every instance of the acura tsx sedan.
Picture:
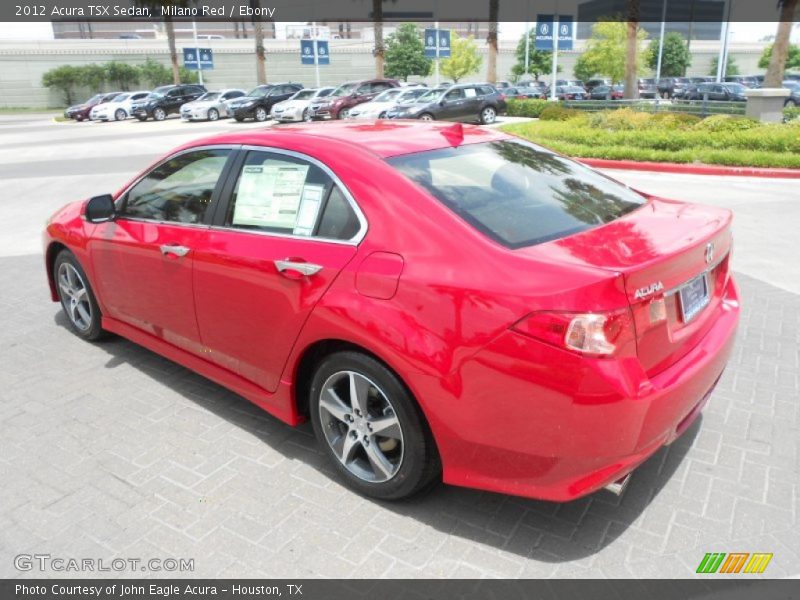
(441, 301)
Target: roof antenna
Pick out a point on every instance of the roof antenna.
(454, 134)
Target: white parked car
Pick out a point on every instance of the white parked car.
(384, 102)
(118, 108)
(296, 107)
(210, 106)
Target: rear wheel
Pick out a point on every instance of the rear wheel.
(371, 428)
(488, 115)
(261, 114)
(306, 116)
(77, 298)
(213, 114)
(120, 115)
(426, 117)
(159, 114)
(344, 113)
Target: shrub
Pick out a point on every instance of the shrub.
(670, 120)
(791, 113)
(64, 78)
(720, 123)
(526, 108)
(556, 112)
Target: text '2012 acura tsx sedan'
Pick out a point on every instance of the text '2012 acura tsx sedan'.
(443, 302)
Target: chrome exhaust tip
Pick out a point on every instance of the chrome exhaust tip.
(618, 486)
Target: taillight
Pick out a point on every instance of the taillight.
(599, 334)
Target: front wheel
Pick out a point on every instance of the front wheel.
(213, 114)
(76, 296)
(344, 113)
(488, 115)
(371, 428)
(120, 115)
(261, 114)
(159, 114)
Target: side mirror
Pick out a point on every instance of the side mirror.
(100, 209)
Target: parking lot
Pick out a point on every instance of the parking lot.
(109, 450)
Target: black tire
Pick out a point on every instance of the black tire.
(92, 331)
(419, 465)
(213, 114)
(261, 114)
(791, 103)
(141, 118)
(120, 114)
(159, 114)
(342, 114)
(426, 117)
(306, 117)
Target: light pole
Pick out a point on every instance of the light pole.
(197, 53)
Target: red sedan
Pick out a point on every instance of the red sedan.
(441, 301)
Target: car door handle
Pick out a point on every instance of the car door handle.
(307, 269)
(174, 249)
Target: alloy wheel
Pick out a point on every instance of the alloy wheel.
(426, 117)
(488, 115)
(159, 114)
(74, 296)
(307, 116)
(213, 114)
(361, 426)
(261, 114)
(120, 115)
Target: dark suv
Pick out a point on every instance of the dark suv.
(166, 100)
(337, 105)
(462, 102)
(258, 103)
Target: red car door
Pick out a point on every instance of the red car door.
(142, 260)
(284, 234)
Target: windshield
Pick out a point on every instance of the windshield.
(517, 193)
(209, 96)
(258, 92)
(387, 96)
(736, 88)
(95, 98)
(410, 95)
(343, 90)
(122, 97)
(303, 95)
(159, 92)
(430, 96)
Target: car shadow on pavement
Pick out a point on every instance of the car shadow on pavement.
(544, 531)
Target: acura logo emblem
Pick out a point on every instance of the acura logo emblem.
(709, 252)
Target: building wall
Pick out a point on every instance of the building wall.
(22, 63)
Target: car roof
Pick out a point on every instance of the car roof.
(384, 138)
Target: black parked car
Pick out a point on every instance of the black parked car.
(258, 103)
(794, 88)
(607, 92)
(593, 83)
(166, 100)
(463, 102)
(719, 92)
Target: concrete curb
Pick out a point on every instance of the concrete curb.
(691, 169)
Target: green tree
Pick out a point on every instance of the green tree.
(675, 58)
(64, 79)
(189, 76)
(154, 74)
(122, 75)
(405, 53)
(93, 76)
(464, 59)
(606, 50)
(540, 62)
(792, 57)
(584, 68)
(731, 68)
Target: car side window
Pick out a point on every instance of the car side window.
(454, 95)
(174, 93)
(364, 89)
(285, 194)
(179, 190)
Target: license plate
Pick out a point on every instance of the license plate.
(693, 297)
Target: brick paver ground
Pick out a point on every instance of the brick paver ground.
(108, 450)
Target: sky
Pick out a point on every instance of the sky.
(740, 32)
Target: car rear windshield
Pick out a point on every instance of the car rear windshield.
(516, 193)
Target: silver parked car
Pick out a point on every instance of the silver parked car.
(386, 101)
(296, 107)
(210, 106)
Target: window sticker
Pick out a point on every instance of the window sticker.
(309, 209)
(270, 195)
(469, 92)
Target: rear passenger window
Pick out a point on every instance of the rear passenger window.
(284, 194)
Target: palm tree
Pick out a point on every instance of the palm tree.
(491, 40)
(631, 68)
(169, 28)
(258, 34)
(379, 50)
(780, 50)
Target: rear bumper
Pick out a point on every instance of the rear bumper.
(536, 421)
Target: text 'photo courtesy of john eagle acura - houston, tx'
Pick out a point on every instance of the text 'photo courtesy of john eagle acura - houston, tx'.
(443, 302)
